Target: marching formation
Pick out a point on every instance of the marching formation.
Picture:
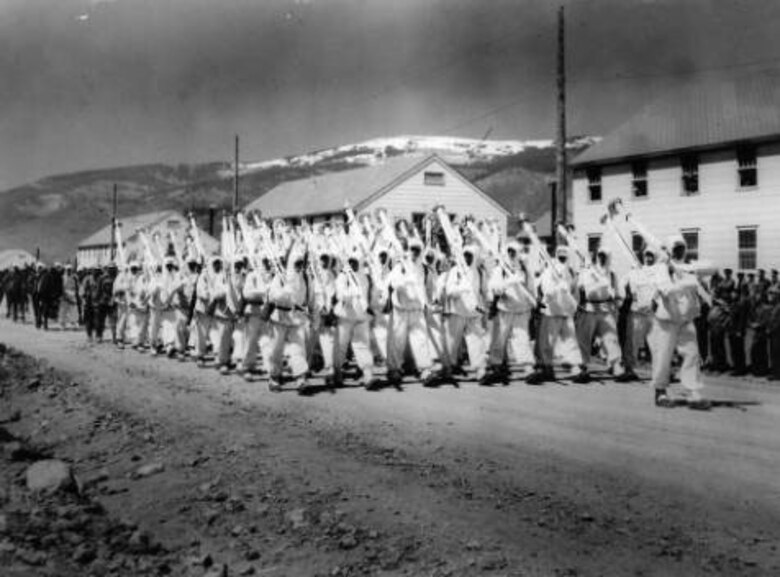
(373, 300)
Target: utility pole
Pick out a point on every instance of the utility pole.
(553, 212)
(235, 180)
(113, 224)
(560, 156)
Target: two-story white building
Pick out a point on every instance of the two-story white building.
(704, 162)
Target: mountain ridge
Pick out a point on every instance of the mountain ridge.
(55, 212)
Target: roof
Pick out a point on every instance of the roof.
(543, 224)
(329, 193)
(15, 257)
(707, 114)
(130, 225)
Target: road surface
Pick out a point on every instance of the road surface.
(516, 480)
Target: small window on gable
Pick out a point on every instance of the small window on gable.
(690, 174)
(594, 184)
(173, 223)
(747, 166)
(639, 179)
(431, 178)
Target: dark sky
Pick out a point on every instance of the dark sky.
(98, 83)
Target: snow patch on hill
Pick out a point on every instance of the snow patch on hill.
(454, 149)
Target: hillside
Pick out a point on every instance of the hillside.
(56, 212)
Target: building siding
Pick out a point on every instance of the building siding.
(458, 197)
(717, 211)
(100, 255)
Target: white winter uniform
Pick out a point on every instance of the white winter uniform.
(463, 310)
(287, 324)
(599, 315)
(677, 303)
(556, 328)
(407, 321)
(639, 283)
(510, 338)
(353, 323)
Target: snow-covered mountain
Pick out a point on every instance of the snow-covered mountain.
(456, 150)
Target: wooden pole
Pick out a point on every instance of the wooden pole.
(113, 223)
(553, 211)
(235, 180)
(560, 156)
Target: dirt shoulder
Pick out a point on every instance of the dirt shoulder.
(504, 481)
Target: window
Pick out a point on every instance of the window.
(747, 247)
(173, 224)
(418, 220)
(639, 179)
(433, 178)
(747, 167)
(691, 238)
(594, 242)
(637, 243)
(690, 174)
(594, 184)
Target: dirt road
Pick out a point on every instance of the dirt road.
(517, 480)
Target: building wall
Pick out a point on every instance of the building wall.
(717, 211)
(458, 197)
(100, 255)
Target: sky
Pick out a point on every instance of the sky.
(88, 84)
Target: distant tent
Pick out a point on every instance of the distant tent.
(15, 257)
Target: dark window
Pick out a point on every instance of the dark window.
(747, 247)
(433, 178)
(639, 179)
(418, 220)
(594, 242)
(747, 166)
(691, 238)
(690, 174)
(594, 184)
(637, 243)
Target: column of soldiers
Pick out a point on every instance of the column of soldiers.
(448, 299)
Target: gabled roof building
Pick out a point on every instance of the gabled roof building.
(95, 250)
(406, 187)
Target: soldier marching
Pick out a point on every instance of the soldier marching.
(373, 302)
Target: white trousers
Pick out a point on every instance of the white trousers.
(223, 339)
(239, 340)
(604, 325)
(181, 333)
(357, 333)
(459, 328)
(379, 326)
(557, 334)
(139, 320)
(202, 326)
(289, 339)
(408, 327)
(665, 337)
(437, 340)
(123, 317)
(68, 314)
(510, 339)
(258, 338)
(637, 333)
